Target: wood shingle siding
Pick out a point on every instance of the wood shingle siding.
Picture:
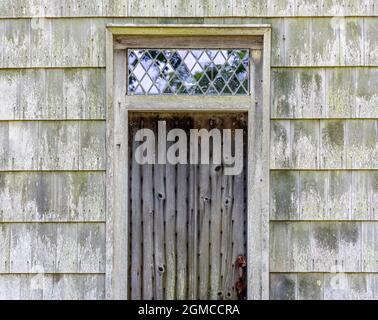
(52, 196)
(319, 286)
(53, 247)
(296, 42)
(52, 145)
(324, 144)
(311, 93)
(52, 286)
(52, 94)
(324, 195)
(179, 8)
(323, 246)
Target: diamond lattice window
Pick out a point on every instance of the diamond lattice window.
(188, 72)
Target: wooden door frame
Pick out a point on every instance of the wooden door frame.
(118, 104)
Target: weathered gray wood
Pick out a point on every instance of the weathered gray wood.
(198, 41)
(280, 150)
(282, 286)
(170, 231)
(204, 218)
(148, 227)
(310, 286)
(313, 195)
(304, 138)
(301, 286)
(319, 286)
(215, 232)
(159, 246)
(323, 246)
(182, 231)
(50, 42)
(351, 41)
(341, 92)
(322, 42)
(333, 144)
(179, 8)
(91, 248)
(4, 245)
(50, 196)
(52, 145)
(350, 286)
(369, 248)
(227, 242)
(324, 195)
(54, 247)
(136, 218)
(319, 42)
(118, 180)
(52, 286)
(298, 93)
(111, 278)
(362, 144)
(366, 95)
(227, 232)
(52, 94)
(344, 144)
(284, 201)
(324, 93)
(193, 232)
(371, 29)
(258, 174)
(238, 229)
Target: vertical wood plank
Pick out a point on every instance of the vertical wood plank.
(118, 151)
(181, 231)
(181, 226)
(192, 226)
(159, 212)
(148, 226)
(258, 176)
(215, 230)
(227, 263)
(204, 228)
(110, 292)
(136, 215)
(170, 226)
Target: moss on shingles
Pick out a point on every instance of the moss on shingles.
(310, 286)
(325, 235)
(349, 232)
(333, 133)
(284, 85)
(284, 287)
(284, 190)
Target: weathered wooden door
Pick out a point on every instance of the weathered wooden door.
(187, 222)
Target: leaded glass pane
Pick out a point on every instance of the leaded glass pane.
(188, 72)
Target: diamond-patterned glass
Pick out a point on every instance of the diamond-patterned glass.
(219, 72)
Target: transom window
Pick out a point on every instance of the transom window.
(217, 72)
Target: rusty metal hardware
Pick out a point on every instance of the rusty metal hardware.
(240, 284)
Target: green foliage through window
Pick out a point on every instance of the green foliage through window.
(188, 72)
